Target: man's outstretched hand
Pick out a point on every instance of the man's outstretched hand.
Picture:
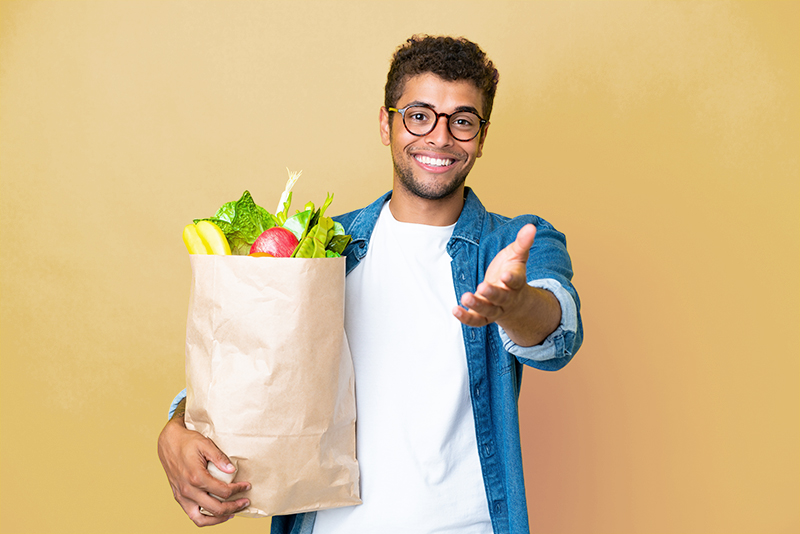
(527, 314)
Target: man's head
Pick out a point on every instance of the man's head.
(433, 78)
(452, 59)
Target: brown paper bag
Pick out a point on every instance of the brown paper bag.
(270, 378)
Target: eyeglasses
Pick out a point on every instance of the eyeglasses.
(422, 120)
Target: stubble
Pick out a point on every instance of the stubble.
(432, 190)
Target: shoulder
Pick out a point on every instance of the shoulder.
(498, 231)
(346, 219)
(548, 257)
(359, 222)
(488, 228)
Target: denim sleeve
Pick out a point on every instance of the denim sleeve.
(178, 398)
(561, 343)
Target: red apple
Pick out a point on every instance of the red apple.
(277, 241)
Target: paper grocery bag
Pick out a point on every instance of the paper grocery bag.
(270, 378)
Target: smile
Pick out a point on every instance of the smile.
(434, 162)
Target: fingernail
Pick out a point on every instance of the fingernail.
(229, 466)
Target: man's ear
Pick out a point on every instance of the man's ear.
(385, 130)
(482, 139)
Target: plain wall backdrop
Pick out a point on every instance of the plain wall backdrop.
(661, 137)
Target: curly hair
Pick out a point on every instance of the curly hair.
(450, 58)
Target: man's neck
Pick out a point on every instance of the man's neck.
(407, 207)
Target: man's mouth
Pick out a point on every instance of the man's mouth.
(434, 162)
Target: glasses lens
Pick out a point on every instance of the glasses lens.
(419, 120)
(465, 125)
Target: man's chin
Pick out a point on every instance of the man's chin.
(428, 191)
(432, 192)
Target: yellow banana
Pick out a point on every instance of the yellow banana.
(194, 243)
(213, 237)
(205, 237)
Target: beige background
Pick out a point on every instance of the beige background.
(661, 137)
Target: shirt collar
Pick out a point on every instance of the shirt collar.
(468, 227)
(470, 222)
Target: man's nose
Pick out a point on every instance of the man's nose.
(440, 135)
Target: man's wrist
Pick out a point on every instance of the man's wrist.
(536, 317)
(179, 413)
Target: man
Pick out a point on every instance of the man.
(436, 383)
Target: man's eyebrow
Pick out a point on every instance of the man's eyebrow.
(416, 103)
(431, 106)
(467, 108)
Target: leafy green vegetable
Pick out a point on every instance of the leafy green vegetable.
(325, 205)
(313, 245)
(338, 243)
(326, 239)
(298, 223)
(242, 221)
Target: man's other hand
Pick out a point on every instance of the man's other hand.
(184, 454)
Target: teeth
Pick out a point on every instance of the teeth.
(434, 162)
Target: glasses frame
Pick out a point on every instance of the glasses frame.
(402, 112)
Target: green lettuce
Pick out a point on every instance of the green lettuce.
(242, 221)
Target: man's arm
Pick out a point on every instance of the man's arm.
(527, 314)
(184, 454)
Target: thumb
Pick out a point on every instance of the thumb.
(522, 244)
(218, 458)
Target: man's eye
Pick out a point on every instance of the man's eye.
(463, 121)
(418, 117)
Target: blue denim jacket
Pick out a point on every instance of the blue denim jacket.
(495, 363)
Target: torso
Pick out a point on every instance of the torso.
(416, 443)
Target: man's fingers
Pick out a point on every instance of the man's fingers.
(219, 483)
(503, 291)
(221, 508)
(477, 303)
(515, 278)
(198, 484)
(192, 509)
(469, 317)
(479, 311)
(501, 288)
(193, 499)
(204, 483)
(202, 520)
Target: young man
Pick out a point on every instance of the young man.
(436, 383)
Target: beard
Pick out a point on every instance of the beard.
(434, 190)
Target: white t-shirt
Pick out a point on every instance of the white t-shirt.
(415, 433)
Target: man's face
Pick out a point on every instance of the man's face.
(436, 165)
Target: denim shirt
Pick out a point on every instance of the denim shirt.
(494, 362)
